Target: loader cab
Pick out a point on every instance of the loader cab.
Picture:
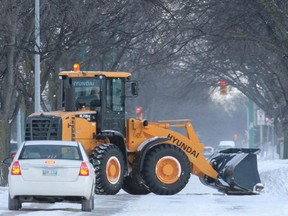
(101, 92)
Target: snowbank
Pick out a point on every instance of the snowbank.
(274, 175)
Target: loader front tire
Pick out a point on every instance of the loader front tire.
(108, 162)
(166, 169)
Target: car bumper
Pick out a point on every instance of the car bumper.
(83, 187)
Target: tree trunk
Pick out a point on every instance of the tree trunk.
(4, 150)
(285, 135)
(9, 101)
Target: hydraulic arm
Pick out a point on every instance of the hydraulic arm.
(230, 171)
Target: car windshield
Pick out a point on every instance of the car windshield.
(51, 152)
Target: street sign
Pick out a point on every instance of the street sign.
(260, 117)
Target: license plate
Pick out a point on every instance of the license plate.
(49, 172)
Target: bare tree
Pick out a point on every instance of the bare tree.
(246, 43)
(189, 45)
(15, 27)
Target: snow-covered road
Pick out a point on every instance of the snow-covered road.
(195, 199)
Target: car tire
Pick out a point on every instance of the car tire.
(133, 186)
(108, 162)
(166, 169)
(88, 205)
(14, 204)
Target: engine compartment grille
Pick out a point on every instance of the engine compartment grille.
(43, 128)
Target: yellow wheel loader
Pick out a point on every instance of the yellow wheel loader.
(134, 154)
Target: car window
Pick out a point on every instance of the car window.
(51, 152)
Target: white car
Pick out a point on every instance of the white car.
(208, 151)
(226, 145)
(50, 171)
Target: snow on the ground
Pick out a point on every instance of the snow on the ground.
(195, 199)
(274, 175)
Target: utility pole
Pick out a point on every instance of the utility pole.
(37, 58)
(83, 50)
(260, 123)
(250, 123)
(19, 127)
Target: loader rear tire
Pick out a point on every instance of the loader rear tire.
(108, 162)
(133, 186)
(166, 169)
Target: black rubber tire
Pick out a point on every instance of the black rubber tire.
(88, 205)
(14, 204)
(133, 186)
(99, 158)
(149, 169)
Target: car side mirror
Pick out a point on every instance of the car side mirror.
(8, 161)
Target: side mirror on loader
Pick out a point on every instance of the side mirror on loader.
(132, 89)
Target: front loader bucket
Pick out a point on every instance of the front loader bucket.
(237, 172)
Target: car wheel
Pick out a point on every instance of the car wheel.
(13, 204)
(109, 169)
(166, 169)
(133, 186)
(88, 205)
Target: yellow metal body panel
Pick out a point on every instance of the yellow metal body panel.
(76, 128)
(80, 129)
(84, 131)
(190, 144)
(95, 73)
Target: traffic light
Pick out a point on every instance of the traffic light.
(223, 87)
(139, 113)
(138, 110)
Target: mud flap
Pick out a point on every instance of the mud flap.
(237, 172)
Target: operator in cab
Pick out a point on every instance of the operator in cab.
(90, 101)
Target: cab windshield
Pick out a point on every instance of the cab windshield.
(86, 91)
